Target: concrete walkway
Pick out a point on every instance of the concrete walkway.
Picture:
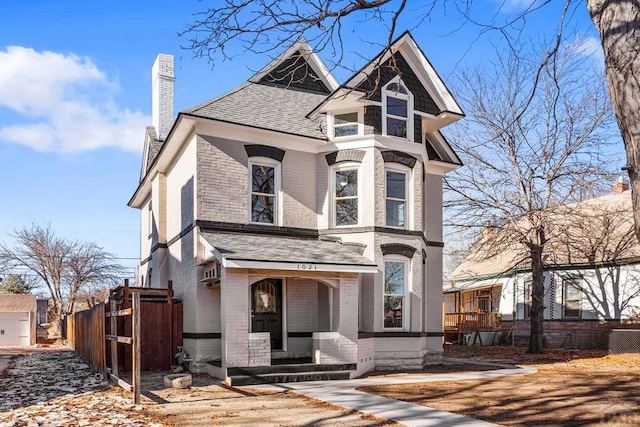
(344, 394)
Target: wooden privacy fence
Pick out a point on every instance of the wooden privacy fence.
(85, 334)
(133, 341)
(160, 332)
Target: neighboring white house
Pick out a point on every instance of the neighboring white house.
(300, 218)
(17, 320)
(592, 274)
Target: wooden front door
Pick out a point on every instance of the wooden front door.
(266, 310)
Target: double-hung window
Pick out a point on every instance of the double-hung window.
(265, 187)
(398, 110)
(527, 298)
(395, 309)
(396, 198)
(345, 196)
(572, 296)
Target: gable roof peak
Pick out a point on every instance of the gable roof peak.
(288, 62)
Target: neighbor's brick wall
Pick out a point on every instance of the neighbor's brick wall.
(567, 334)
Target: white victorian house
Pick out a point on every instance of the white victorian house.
(300, 219)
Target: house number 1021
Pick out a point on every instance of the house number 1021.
(307, 267)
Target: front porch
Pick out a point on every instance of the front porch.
(456, 325)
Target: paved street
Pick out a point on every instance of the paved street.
(55, 388)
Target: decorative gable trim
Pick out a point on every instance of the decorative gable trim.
(393, 156)
(345, 156)
(398, 249)
(257, 150)
(302, 49)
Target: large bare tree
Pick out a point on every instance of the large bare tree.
(599, 240)
(526, 153)
(65, 266)
(232, 27)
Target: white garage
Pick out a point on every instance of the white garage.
(15, 329)
(17, 320)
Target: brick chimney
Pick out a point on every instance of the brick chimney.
(620, 186)
(162, 95)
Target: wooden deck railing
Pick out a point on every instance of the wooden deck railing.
(471, 321)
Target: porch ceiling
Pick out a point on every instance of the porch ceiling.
(237, 250)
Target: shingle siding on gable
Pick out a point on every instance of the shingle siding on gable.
(422, 100)
(417, 129)
(295, 73)
(372, 120)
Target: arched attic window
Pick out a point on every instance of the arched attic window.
(397, 110)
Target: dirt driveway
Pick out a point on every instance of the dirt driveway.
(51, 386)
(570, 388)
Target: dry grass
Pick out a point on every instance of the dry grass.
(570, 388)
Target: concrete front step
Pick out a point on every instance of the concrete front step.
(290, 369)
(287, 377)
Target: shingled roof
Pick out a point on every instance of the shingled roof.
(265, 106)
(248, 247)
(601, 227)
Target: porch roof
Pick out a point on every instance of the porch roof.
(471, 286)
(238, 250)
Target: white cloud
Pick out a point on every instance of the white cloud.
(63, 103)
(591, 47)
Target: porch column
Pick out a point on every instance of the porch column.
(234, 306)
(341, 345)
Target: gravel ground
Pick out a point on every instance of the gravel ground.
(55, 388)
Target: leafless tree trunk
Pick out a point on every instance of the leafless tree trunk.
(618, 23)
(532, 141)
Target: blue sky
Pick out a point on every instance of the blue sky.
(75, 98)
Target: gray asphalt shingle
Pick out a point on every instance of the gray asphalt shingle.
(267, 107)
(237, 246)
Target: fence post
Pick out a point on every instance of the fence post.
(135, 374)
(114, 343)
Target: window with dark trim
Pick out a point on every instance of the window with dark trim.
(346, 196)
(396, 199)
(394, 293)
(263, 194)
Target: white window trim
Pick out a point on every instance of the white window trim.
(576, 284)
(408, 211)
(408, 97)
(332, 192)
(277, 176)
(331, 119)
(406, 302)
